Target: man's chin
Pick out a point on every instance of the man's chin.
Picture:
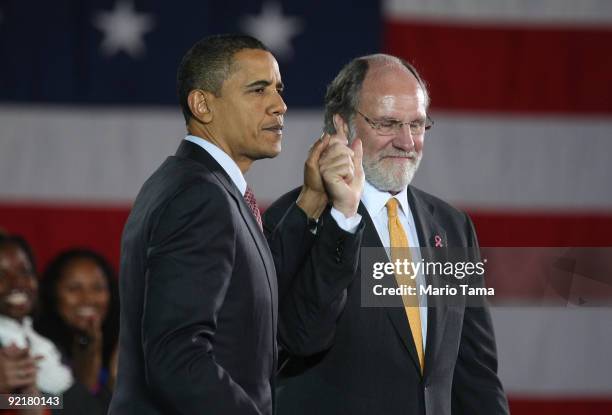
(275, 152)
(268, 153)
(389, 178)
(386, 184)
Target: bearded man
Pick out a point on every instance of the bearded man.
(349, 359)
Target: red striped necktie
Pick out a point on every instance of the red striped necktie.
(249, 198)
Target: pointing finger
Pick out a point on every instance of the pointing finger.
(341, 129)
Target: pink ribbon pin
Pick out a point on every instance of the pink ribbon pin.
(438, 241)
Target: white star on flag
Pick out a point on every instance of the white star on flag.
(273, 29)
(123, 29)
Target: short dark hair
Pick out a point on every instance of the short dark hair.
(51, 325)
(6, 239)
(342, 96)
(208, 63)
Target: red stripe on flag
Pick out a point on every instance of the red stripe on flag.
(542, 229)
(512, 69)
(51, 229)
(559, 406)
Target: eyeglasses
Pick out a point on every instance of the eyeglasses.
(391, 127)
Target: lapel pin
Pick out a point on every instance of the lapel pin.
(438, 241)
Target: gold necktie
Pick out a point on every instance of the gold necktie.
(400, 240)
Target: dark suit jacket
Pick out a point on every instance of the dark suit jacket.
(348, 359)
(198, 297)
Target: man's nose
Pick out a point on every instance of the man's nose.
(278, 106)
(404, 139)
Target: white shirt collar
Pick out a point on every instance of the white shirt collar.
(375, 200)
(226, 162)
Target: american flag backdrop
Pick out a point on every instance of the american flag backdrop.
(521, 97)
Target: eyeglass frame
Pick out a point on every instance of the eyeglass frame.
(397, 124)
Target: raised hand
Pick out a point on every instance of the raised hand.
(18, 369)
(87, 353)
(313, 197)
(342, 171)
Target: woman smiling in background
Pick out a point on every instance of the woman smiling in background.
(79, 313)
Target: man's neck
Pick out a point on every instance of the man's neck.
(244, 163)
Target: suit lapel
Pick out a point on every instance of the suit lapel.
(430, 235)
(194, 152)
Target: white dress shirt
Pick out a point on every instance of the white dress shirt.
(375, 201)
(225, 161)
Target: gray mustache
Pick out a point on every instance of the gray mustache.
(409, 154)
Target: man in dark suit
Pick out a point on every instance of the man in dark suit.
(198, 283)
(435, 358)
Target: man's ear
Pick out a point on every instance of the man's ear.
(199, 103)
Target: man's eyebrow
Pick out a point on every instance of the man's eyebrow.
(260, 83)
(386, 118)
(264, 83)
(392, 119)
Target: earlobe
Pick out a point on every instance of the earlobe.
(199, 105)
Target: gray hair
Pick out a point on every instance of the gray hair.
(342, 95)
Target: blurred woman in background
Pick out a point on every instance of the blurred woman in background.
(29, 363)
(80, 314)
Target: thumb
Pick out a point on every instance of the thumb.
(359, 177)
(341, 129)
(318, 147)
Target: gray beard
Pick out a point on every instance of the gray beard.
(389, 180)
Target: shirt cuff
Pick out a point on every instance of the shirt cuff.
(346, 224)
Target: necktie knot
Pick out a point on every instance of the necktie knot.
(392, 207)
(249, 198)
